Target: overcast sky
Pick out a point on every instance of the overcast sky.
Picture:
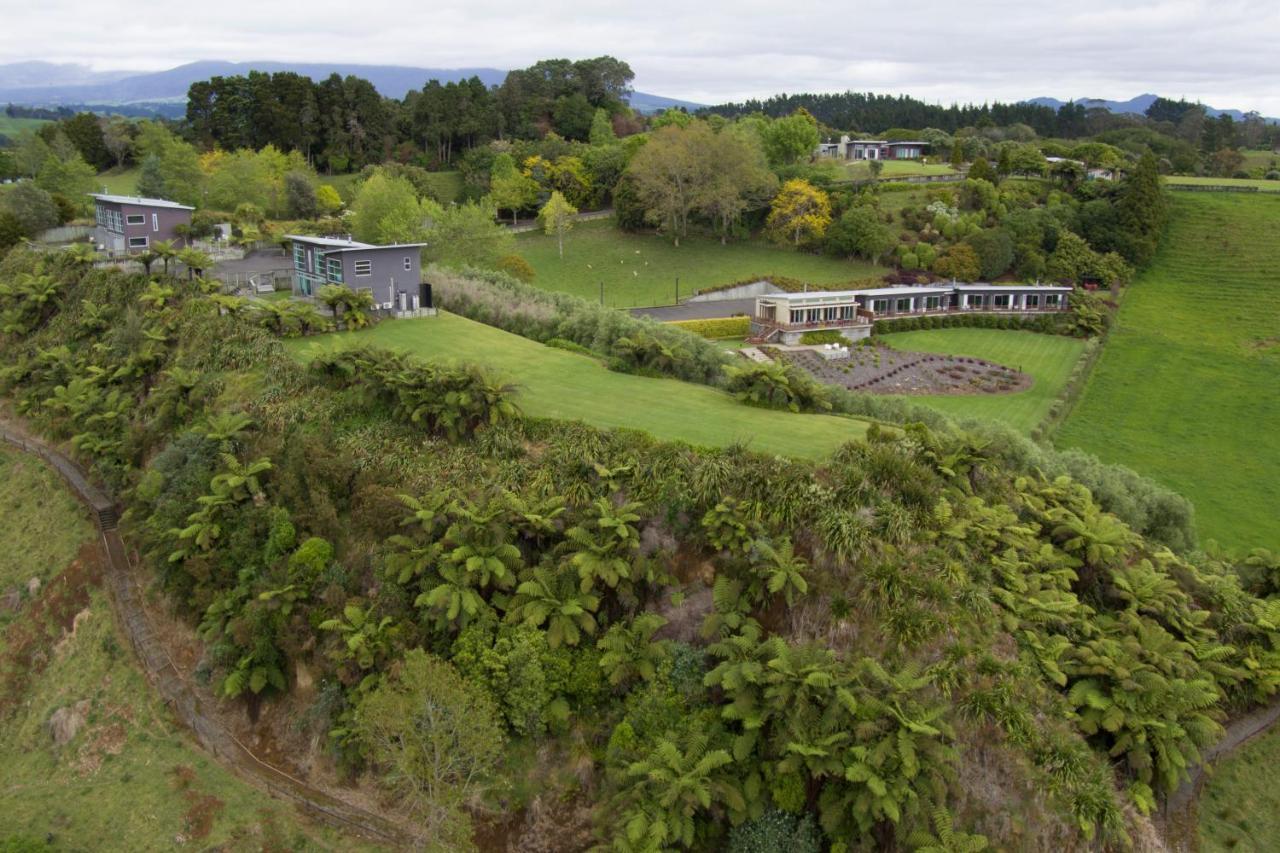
(1222, 52)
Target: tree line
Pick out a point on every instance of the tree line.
(343, 124)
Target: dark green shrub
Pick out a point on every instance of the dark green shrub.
(777, 832)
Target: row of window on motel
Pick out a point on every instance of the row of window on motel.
(915, 304)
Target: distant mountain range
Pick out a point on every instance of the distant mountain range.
(46, 84)
(1133, 106)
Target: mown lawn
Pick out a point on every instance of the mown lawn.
(859, 169)
(1187, 389)
(1260, 184)
(640, 270)
(130, 779)
(555, 383)
(1047, 358)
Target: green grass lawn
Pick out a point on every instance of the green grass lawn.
(1262, 185)
(641, 269)
(1187, 390)
(130, 779)
(1240, 805)
(1047, 358)
(555, 383)
(118, 181)
(860, 169)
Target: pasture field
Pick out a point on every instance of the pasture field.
(1187, 389)
(129, 778)
(1259, 158)
(1047, 358)
(43, 525)
(119, 181)
(640, 270)
(1239, 806)
(1191, 180)
(11, 127)
(554, 383)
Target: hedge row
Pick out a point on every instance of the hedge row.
(724, 327)
(1050, 324)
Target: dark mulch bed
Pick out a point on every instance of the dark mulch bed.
(888, 371)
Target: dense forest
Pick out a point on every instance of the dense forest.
(935, 639)
(343, 123)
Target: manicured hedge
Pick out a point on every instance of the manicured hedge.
(724, 327)
(1050, 324)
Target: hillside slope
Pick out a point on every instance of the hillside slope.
(87, 750)
(554, 383)
(1186, 388)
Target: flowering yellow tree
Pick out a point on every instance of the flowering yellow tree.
(800, 213)
(557, 217)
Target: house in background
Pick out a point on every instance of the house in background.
(391, 274)
(130, 224)
(871, 149)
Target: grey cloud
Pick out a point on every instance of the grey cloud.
(1220, 52)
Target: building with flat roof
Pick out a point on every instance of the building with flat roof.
(131, 224)
(849, 148)
(391, 274)
(784, 317)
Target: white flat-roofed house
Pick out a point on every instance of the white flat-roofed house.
(784, 317)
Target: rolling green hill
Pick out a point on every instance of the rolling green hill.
(1187, 389)
(554, 383)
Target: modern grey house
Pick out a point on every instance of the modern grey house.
(130, 224)
(871, 149)
(391, 274)
(784, 317)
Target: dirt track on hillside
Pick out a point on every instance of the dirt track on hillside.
(186, 704)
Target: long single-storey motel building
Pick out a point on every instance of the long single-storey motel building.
(784, 317)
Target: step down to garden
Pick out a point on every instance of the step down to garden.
(108, 519)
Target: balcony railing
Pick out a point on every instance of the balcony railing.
(816, 324)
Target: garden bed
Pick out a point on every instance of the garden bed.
(881, 370)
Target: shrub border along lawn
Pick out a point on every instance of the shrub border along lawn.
(724, 327)
(556, 383)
